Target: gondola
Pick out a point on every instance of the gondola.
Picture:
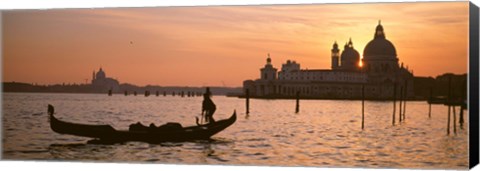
(108, 134)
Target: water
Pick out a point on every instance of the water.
(325, 133)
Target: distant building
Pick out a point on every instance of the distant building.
(344, 80)
(101, 82)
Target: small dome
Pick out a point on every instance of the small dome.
(100, 74)
(335, 45)
(350, 54)
(269, 60)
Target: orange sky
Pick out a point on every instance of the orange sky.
(222, 45)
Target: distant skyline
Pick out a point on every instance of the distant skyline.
(222, 45)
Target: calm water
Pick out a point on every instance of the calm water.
(325, 133)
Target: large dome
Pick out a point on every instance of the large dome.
(379, 46)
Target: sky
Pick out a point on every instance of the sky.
(222, 45)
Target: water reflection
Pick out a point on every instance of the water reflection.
(326, 133)
(84, 152)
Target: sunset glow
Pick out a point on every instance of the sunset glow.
(222, 45)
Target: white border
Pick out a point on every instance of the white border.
(49, 4)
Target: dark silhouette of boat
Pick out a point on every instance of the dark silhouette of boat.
(445, 101)
(165, 133)
(437, 100)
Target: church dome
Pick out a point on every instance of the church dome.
(335, 45)
(350, 57)
(100, 74)
(349, 53)
(379, 46)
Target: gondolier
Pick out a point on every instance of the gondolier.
(208, 107)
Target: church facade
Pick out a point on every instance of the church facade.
(103, 83)
(380, 74)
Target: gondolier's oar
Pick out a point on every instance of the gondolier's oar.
(204, 119)
(201, 120)
(196, 120)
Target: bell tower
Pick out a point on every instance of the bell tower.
(335, 56)
(93, 76)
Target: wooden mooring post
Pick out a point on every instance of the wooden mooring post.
(400, 106)
(147, 93)
(394, 102)
(247, 100)
(430, 103)
(454, 120)
(405, 100)
(448, 103)
(463, 105)
(126, 93)
(363, 106)
(448, 121)
(461, 116)
(454, 115)
(297, 106)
